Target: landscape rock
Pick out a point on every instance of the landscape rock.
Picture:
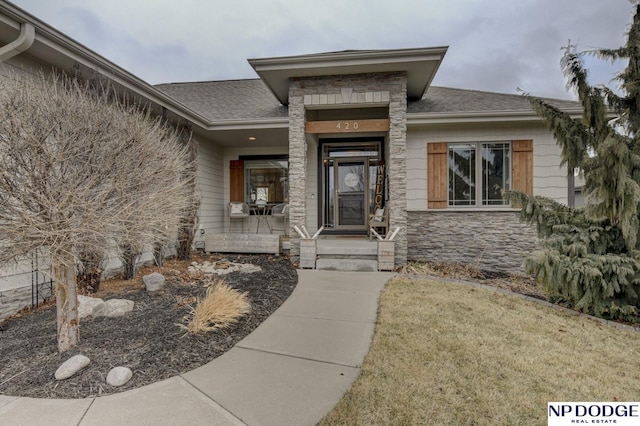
(154, 281)
(113, 308)
(226, 271)
(118, 376)
(71, 367)
(223, 267)
(248, 268)
(86, 305)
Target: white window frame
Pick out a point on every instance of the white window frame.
(479, 178)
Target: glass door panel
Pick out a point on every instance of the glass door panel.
(350, 184)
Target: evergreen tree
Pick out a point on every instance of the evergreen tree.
(590, 257)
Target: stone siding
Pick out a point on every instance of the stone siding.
(487, 240)
(397, 169)
(365, 90)
(297, 162)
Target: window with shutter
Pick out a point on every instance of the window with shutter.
(523, 166)
(437, 175)
(473, 174)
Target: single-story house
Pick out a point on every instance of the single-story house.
(336, 137)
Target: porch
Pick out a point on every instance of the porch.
(355, 253)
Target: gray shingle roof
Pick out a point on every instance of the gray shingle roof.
(251, 99)
(227, 100)
(448, 100)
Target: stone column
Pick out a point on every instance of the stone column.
(397, 167)
(297, 164)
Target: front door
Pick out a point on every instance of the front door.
(351, 183)
(347, 183)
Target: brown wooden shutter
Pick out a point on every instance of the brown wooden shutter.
(522, 167)
(437, 175)
(236, 180)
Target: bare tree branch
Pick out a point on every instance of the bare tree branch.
(81, 172)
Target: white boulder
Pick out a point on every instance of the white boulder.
(113, 308)
(118, 376)
(71, 367)
(86, 305)
(154, 281)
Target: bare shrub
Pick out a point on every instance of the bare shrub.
(89, 272)
(189, 221)
(83, 171)
(221, 308)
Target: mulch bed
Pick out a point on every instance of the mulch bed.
(147, 340)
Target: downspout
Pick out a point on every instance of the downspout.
(19, 45)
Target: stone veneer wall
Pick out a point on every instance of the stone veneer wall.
(487, 240)
(374, 89)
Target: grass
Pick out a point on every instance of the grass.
(221, 308)
(449, 354)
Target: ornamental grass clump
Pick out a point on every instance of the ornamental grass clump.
(221, 308)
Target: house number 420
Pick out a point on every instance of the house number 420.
(347, 125)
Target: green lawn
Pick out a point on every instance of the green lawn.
(451, 354)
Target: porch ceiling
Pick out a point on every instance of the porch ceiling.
(420, 64)
(239, 137)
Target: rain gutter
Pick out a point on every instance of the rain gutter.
(19, 45)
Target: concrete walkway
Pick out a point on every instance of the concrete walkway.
(290, 371)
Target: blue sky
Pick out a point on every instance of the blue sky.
(494, 45)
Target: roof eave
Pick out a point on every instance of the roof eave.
(71, 50)
(249, 124)
(420, 64)
(416, 119)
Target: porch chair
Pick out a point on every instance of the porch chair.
(281, 211)
(379, 221)
(238, 210)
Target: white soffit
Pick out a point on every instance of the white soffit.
(420, 64)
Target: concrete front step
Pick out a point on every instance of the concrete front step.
(346, 247)
(346, 264)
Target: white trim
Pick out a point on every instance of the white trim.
(420, 65)
(414, 119)
(458, 209)
(347, 57)
(19, 45)
(278, 123)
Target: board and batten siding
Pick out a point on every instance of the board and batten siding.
(549, 178)
(437, 175)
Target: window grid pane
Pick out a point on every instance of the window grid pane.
(496, 167)
(462, 174)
